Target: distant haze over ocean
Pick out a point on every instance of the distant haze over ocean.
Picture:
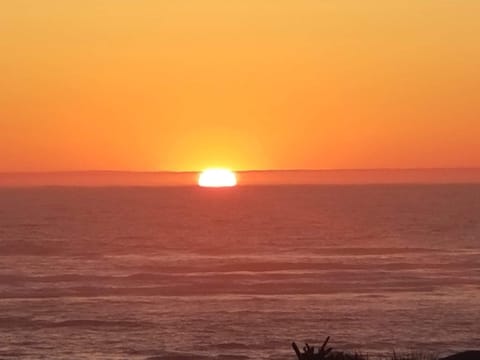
(254, 177)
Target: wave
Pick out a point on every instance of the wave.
(239, 271)
(29, 323)
(219, 288)
(36, 242)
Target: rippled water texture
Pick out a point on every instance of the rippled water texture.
(190, 273)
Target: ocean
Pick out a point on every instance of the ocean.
(237, 273)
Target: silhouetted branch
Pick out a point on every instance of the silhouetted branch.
(309, 351)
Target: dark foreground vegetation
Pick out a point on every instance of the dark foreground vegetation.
(326, 353)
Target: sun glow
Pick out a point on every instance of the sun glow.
(217, 178)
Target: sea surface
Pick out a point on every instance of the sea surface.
(238, 273)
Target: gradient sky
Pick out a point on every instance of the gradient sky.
(247, 84)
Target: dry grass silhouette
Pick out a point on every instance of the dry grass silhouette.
(326, 353)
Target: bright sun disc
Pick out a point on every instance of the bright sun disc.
(217, 178)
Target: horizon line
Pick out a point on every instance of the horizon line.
(49, 172)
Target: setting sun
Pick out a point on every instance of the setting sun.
(217, 178)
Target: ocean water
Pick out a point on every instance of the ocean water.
(191, 273)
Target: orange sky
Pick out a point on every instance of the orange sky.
(270, 84)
